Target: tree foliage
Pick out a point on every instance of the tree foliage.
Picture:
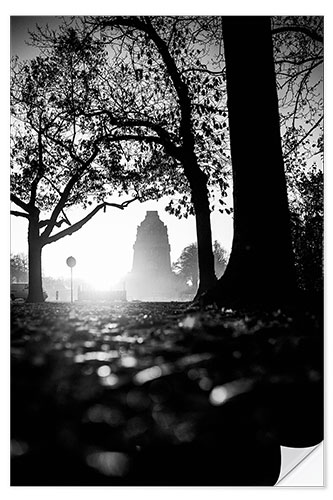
(135, 85)
(18, 268)
(154, 90)
(299, 58)
(186, 266)
(221, 258)
(137, 105)
(59, 157)
(158, 51)
(307, 226)
(138, 96)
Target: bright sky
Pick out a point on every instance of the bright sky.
(103, 248)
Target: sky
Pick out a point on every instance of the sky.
(103, 248)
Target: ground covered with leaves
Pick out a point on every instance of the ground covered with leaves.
(160, 394)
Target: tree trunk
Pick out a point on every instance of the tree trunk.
(197, 179)
(35, 261)
(261, 267)
(198, 184)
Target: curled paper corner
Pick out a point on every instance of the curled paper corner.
(302, 466)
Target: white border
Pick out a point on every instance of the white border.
(171, 7)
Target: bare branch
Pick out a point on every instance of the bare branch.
(204, 70)
(300, 61)
(304, 137)
(75, 227)
(298, 73)
(164, 136)
(19, 214)
(66, 218)
(300, 29)
(44, 223)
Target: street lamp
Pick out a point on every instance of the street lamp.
(70, 261)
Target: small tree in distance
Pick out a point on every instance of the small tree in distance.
(221, 258)
(18, 268)
(187, 269)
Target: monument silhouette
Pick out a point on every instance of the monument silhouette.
(151, 278)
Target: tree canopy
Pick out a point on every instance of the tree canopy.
(60, 158)
(138, 92)
(137, 105)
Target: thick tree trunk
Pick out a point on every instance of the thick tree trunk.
(207, 277)
(261, 267)
(198, 184)
(35, 261)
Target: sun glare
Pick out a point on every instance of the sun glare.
(103, 280)
(105, 273)
(99, 282)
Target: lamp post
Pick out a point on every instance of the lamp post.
(70, 261)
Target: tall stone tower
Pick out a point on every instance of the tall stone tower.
(151, 277)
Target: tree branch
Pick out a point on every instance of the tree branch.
(163, 135)
(204, 70)
(169, 62)
(300, 61)
(173, 150)
(298, 73)
(75, 227)
(44, 223)
(59, 206)
(66, 218)
(40, 169)
(299, 94)
(53, 185)
(15, 199)
(145, 26)
(19, 214)
(303, 138)
(300, 29)
(66, 192)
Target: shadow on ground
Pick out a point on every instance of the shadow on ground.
(157, 394)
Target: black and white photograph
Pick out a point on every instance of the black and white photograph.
(166, 249)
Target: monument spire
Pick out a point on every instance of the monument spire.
(151, 278)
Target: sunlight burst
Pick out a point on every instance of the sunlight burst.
(107, 274)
